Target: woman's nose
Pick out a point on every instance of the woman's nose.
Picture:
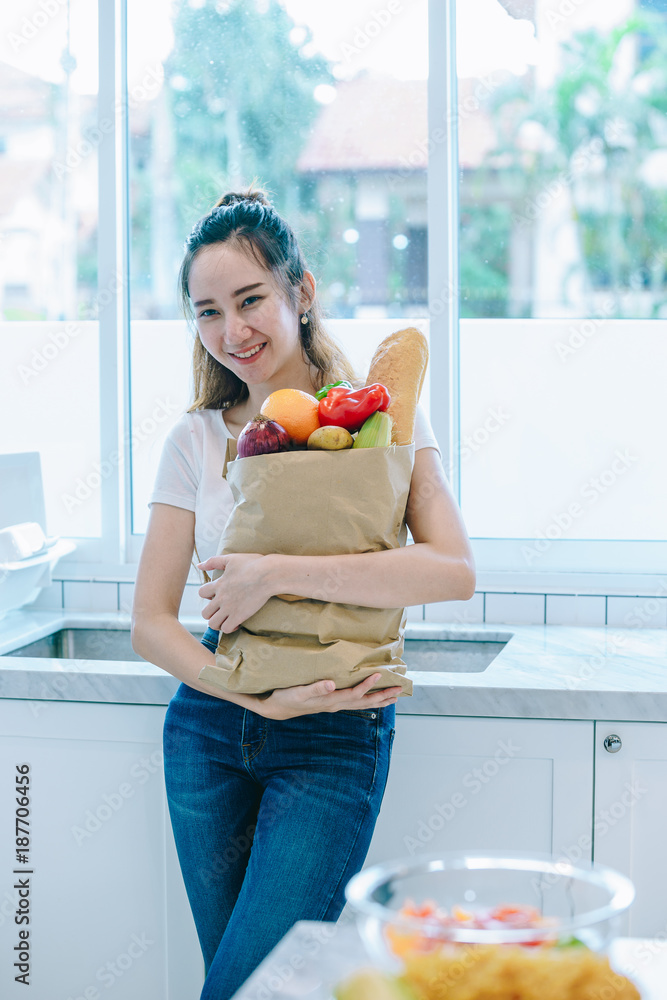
(236, 331)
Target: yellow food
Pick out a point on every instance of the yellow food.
(375, 432)
(367, 984)
(511, 972)
(294, 410)
(400, 363)
(330, 439)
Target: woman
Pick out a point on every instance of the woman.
(273, 798)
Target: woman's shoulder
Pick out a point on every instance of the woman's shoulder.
(198, 425)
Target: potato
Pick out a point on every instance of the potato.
(330, 439)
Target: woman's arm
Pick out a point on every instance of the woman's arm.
(438, 567)
(159, 637)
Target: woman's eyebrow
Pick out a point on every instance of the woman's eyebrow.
(239, 291)
(246, 288)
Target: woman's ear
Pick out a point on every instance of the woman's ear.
(307, 291)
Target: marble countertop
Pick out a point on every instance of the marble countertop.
(313, 957)
(543, 671)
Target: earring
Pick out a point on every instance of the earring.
(304, 319)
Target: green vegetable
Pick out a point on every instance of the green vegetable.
(570, 942)
(376, 432)
(321, 393)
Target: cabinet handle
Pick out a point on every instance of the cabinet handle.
(613, 743)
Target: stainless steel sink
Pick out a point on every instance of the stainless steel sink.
(83, 644)
(427, 647)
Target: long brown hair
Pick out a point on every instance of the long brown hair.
(248, 220)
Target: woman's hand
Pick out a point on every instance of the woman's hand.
(238, 593)
(307, 699)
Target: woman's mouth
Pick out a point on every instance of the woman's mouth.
(245, 357)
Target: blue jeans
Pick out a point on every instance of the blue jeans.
(271, 819)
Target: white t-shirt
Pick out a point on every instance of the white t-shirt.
(190, 472)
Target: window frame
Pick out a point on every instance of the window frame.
(499, 561)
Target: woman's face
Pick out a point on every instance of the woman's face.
(242, 317)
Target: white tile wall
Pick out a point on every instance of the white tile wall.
(90, 595)
(191, 603)
(637, 612)
(457, 611)
(515, 609)
(125, 597)
(584, 609)
(505, 608)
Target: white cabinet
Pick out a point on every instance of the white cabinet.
(106, 904)
(630, 827)
(478, 784)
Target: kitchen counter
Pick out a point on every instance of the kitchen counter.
(314, 956)
(543, 671)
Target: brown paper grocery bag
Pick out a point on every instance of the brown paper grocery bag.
(315, 503)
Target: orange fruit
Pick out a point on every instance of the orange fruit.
(297, 411)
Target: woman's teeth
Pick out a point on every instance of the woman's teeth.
(249, 354)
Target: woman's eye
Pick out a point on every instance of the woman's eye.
(251, 299)
(207, 312)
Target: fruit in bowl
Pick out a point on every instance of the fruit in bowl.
(454, 926)
(494, 972)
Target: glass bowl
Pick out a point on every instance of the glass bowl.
(582, 903)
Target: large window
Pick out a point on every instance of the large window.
(321, 104)
(50, 300)
(493, 170)
(562, 150)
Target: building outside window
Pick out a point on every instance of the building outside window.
(547, 313)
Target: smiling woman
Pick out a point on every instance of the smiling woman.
(303, 767)
(257, 338)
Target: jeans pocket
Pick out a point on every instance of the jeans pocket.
(361, 713)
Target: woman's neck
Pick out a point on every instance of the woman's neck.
(236, 417)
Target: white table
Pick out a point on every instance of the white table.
(314, 956)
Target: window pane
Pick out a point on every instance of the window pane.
(563, 267)
(325, 106)
(48, 253)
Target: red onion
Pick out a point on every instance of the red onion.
(262, 436)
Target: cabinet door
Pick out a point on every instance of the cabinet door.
(631, 817)
(487, 784)
(107, 904)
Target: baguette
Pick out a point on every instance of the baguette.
(399, 363)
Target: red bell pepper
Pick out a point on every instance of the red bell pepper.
(350, 409)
